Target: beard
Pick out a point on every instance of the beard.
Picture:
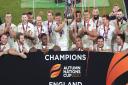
(119, 18)
(96, 17)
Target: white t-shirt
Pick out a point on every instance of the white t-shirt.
(62, 38)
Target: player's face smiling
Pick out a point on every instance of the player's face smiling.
(119, 15)
(78, 18)
(86, 15)
(44, 40)
(39, 21)
(4, 39)
(118, 40)
(105, 21)
(24, 18)
(100, 43)
(21, 40)
(30, 17)
(78, 43)
(95, 12)
(8, 18)
(49, 17)
(58, 19)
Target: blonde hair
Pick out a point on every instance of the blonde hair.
(50, 11)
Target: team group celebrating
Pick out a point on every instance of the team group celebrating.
(87, 31)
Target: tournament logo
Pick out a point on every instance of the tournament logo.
(55, 71)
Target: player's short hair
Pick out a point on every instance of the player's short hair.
(115, 5)
(95, 8)
(78, 11)
(120, 10)
(56, 48)
(58, 14)
(29, 13)
(122, 36)
(87, 10)
(8, 13)
(18, 35)
(100, 37)
(50, 11)
(24, 13)
(3, 34)
(106, 16)
(78, 37)
(42, 35)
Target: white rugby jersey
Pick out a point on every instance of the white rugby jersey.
(12, 26)
(62, 38)
(39, 30)
(118, 23)
(50, 26)
(19, 48)
(27, 27)
(10, 38)
(87, 43)
(118, 48)
(96, 23)
(108, 35)
(88, 25)
(76, 26)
